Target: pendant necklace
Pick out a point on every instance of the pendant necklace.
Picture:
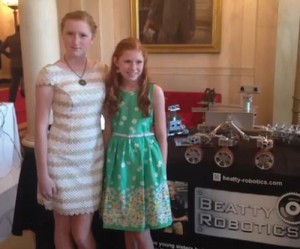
(81, 81)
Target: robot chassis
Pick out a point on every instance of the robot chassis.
(228, 135)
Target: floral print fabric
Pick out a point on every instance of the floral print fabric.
(136, 192)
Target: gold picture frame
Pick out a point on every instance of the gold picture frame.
(203, 34)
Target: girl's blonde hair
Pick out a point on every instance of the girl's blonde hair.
(79, 15)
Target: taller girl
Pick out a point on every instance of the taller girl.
(136, 192)
(70, 157)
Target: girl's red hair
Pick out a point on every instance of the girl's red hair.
(114, 79)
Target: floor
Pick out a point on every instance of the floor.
(19, 242)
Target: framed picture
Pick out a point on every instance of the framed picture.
(177, 26)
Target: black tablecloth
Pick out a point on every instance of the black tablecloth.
(281, 179)
(30, 215)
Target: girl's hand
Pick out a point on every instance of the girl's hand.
(47, 187)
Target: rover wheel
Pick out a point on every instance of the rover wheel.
(193, 154)
(224, 157)
(264, 159)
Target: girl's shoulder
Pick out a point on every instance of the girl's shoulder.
(154, 85)
(154, 88)
(47, 74)
(102, 67)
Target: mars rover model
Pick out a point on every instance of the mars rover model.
(228, 135)
(226, 128)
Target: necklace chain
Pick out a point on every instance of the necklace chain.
(80, 76)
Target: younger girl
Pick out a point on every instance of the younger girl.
(136, 195)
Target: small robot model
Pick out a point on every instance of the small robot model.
(228, 135)
(174, 122)
(285, 133)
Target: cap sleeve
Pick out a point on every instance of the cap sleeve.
(44, 77)
(104, 68)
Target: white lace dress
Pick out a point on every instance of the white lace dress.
(75, 145)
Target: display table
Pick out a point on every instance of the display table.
(8, 191)
(10, 161)
(10, 156)
(240, 206)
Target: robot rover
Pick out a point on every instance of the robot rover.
(228, 135)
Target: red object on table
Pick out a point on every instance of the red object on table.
(187, 100)
(20, 105)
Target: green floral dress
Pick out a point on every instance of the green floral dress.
(136, 195)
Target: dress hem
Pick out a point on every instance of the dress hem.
(132, 229)
(80, 212)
